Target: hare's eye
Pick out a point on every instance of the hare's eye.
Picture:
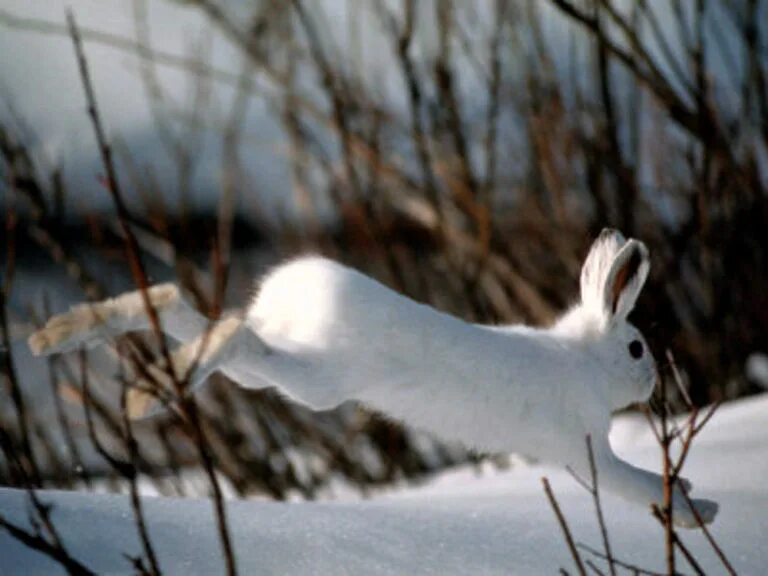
(636, 349)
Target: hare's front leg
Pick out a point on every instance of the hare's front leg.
(647, 488)
(92, 324)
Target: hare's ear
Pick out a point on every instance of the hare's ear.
(613, 275)
(628, 274)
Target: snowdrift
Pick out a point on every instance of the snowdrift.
(460, 523)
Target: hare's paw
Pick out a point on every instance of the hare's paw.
(684, 517)
(82, 326)
(89, 325)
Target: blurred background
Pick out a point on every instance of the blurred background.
(463, 153)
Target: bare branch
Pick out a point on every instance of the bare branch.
(52, 550)
(564, 526)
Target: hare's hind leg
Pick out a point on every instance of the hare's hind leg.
(233, 348)
(229, 346)
(91, 324)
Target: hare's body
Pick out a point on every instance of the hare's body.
(322, 334)
(357, 339)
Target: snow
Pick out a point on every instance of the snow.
(462, 522)
(757, 369)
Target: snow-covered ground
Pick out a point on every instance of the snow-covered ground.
(461, 523)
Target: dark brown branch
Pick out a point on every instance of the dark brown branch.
(39, 543)
(64, 423)
(665, 512)
(132, 448)
(10, 374)
(113, 185)
(564, 526)
(140, 277)
(44, 536)
(647, 74)
(595, 491)
(647, 9)
(620, 563)
(664, 520)
(708, 535)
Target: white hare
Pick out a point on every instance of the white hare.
(323, 334)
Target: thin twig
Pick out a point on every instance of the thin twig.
(591, 565)
(708, 535)
(619, 563)
(136, 505)
(37, 542)
(666, 511)
(595, 491)
(677, 542)
(564, 526)
(10, 373)
(140, 277)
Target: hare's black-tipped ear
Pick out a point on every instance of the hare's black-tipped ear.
(626, 279)
(613, 275)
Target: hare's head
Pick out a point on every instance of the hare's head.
(612, 277)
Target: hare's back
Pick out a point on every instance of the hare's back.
(321, 304)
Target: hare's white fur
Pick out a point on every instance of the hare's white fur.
(323, 333)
